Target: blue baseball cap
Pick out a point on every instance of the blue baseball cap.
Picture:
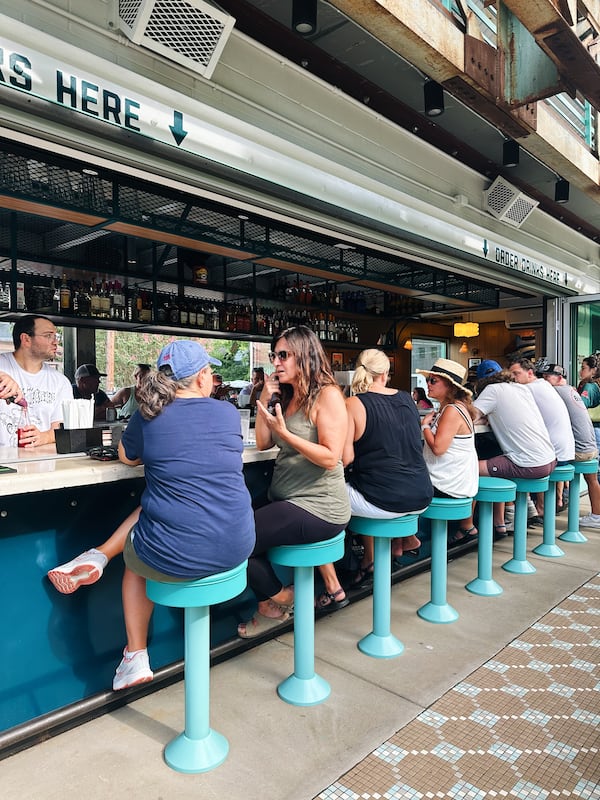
(487, 368)
(185, 358)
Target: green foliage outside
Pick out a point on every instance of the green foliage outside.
(117, 353)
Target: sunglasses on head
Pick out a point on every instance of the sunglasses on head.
(282, 355)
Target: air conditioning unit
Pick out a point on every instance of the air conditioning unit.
(189, 32)
(505, 202)
(519, 318)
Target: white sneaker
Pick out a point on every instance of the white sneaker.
(590, 521)
(81, 571)
(133, 669)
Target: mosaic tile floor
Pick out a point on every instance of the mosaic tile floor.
(524, 725)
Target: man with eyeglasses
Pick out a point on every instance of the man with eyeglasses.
(43, 387)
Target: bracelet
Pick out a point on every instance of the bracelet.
(425, 427)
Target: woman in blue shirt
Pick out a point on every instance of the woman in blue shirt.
(191, 448)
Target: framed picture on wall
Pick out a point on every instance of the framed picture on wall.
(474, 362)
(337, 361)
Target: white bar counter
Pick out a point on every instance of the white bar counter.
(42, 469)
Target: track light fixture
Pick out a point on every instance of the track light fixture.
(304, 16)
(433, 96)
(561, 191)
(510, 153)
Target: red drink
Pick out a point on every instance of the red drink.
(21, 432)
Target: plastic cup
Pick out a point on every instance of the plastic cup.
(245, 421)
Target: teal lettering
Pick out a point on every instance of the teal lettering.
(89, 96)
(130, 107)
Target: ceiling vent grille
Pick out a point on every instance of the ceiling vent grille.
(507, 203)
(190, 32)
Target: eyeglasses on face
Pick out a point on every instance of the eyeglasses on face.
(50, 337)
(282, 355)
(432, 381)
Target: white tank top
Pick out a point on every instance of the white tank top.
(455, 472)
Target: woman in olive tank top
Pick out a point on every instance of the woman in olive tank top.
(301, 410)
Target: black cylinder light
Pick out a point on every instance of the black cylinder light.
(433, 95)
(304, 16)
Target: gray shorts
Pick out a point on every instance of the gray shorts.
(503, 467)
(135, 564)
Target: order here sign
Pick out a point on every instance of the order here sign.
(48, 78)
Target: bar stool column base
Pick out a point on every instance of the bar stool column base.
(440, 614)
(304, 691)
(196, 755)
(484, 587)
(548, 550)
(380, 646)
(575, 537)
(518, 567)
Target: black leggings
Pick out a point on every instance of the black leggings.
(278, 523)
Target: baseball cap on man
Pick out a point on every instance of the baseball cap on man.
(550, 369)
(185, 358)
(88, 371)
(487, 367)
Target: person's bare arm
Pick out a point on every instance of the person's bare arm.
(330, 418)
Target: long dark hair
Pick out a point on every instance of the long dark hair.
(314, 370)
(593, 362)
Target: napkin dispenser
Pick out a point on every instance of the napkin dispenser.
(77, 440)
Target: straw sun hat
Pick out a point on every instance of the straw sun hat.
(450, 370)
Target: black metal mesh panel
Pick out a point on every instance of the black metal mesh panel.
(42, 177)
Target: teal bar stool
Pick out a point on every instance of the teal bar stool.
(381, 643)
(491, 490)
(304, 687)
(441, 510)
(573, 534)
(518, 564)
(548, 547)
(198, 748)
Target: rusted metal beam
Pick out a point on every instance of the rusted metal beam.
(553, 33)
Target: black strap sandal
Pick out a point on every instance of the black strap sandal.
(327, 600)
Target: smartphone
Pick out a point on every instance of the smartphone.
(6, 470)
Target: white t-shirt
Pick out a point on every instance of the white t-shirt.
(556, 418)
(517, 423)
(44, 391)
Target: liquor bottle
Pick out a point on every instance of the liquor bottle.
(65, 296)
(83, 306)
(118, 301)
(184, 314)
(55, 297)
(94, 300)
(173, 311)
(105, 300)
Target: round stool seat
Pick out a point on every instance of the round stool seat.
(531, 484)
(309, 555)
(200, 592)
(582, 467)
(495, 490)
(564, 472)
(395, 528)
(448, 508)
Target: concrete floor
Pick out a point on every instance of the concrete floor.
(278, 751)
